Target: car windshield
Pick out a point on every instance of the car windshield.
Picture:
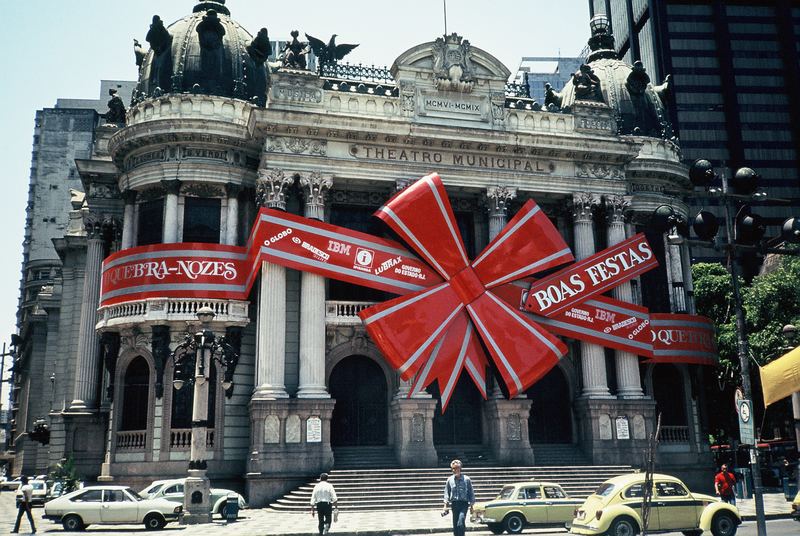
(605, 489)
(152, 488)
(506, 492)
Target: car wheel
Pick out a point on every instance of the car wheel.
(223, 510)
(723, 524)
(623, 526)
(496, 528)
(72, 523)
(154, 522)
(514, 523)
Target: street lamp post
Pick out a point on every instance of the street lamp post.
(193, 360)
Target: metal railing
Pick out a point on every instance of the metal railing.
(365, 73)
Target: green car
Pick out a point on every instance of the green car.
(526, 504)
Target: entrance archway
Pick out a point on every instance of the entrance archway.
(360, 416)
(551, 412)
(461, 423)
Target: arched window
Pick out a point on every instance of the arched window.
(135, 394)
(183, 399)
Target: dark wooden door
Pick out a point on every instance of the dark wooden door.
(358, 385)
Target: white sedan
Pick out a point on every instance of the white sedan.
(110, 505)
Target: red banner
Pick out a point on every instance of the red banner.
(339, 253)
(591, 276)
(683, 339)
(185, 270)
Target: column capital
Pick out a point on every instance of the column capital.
(498, 197)
(402, 184)
(616, 207)
(94, 225)
(232, 189)
(129, 196)
(271, 188)
(315, 186)
(172, 186)
(583, 205)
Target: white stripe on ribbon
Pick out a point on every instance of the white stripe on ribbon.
(422, 376)
(175, 254)
(416, 355)
(488, 338)
(513, 230)
(680, 324)
(405, 303)
(431, 260)
(521, 321)
(475, 372)
(514, 275)
(592, 333)
(444, 212)
(451, 382)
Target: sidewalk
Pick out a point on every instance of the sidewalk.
(263, 521)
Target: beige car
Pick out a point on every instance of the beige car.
(526, 504)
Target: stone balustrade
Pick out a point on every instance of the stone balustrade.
(134, 440)
(344, 313)
(167, 310)
(181, 438)
(674, 434)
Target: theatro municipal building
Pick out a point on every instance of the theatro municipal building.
(244, 179)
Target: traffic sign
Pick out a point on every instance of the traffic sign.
(747, 433)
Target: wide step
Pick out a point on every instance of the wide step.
(372, 489)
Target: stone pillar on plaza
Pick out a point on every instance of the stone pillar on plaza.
(506, 421)
(412, 416)
(289, 437)
(312, 300)
(88, 358)
(593, 360)
(271, 332)
(232, 215)
(128, 217)
(629, 383)
(173, 188)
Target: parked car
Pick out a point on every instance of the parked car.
(526, 504)
(109, 505)
(172, 490)
(10, 484)
(39, 494)
(615, 509)
(796, 507)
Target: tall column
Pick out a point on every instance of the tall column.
(271, 333)
(170, 234)
(232, 215)
(312, 300)
(629, 383)
(128, 224)
(88, 358)
(498, 198)
(593, 360)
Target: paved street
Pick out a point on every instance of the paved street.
(265, 521)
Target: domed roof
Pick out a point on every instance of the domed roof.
(638, 105)
(205, 52)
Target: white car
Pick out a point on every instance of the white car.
(38, 495)
(172, 490)
(110, 505)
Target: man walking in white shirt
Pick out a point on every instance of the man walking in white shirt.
(323, 501)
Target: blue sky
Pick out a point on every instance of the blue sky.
(53, 49)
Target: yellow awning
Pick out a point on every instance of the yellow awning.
(781, 378)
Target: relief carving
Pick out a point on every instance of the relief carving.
(598, 171)
(452, 64)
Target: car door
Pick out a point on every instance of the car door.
(559, 507)
(532, 504)
(118, 507)
(88, 505)
(676, 508)
(632, 497)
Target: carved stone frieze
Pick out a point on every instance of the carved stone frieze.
(271, 188)
(200, 189)
(452, 65)
(583, 205)
(102, 191)
(350, 197)
(134, 340)
(150, 194)
(598, 171)
(277, 144)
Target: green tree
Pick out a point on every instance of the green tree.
(771, 301)
(64, 473)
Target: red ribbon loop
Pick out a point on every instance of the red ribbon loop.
(467, 285)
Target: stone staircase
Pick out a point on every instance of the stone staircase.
(555, 454)
(375, 489)
(364, 458)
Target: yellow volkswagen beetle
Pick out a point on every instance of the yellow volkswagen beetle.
(526, 504)
(615, 509)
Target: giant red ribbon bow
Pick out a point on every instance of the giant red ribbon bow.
(436, 330)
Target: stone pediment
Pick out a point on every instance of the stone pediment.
(451, 63)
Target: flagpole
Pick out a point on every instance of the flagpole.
(444, 5)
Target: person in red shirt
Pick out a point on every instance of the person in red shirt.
(723, 484)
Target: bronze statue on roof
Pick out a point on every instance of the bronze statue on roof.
(330, 53)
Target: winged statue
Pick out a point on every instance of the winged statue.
(330, 53)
